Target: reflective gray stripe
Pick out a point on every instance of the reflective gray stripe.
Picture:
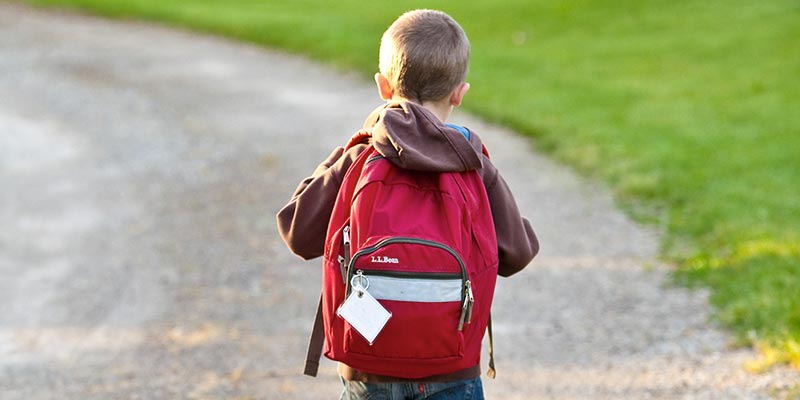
(415, 289)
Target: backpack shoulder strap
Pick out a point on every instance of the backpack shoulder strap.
(316, 341)
(492, 372)
(362, 136)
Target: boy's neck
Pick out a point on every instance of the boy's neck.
(441, 109)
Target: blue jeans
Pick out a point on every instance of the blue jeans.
(469, 389)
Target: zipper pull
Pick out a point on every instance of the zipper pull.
(359, 283)
(470, 301)
(466, 308)
(346, 235)
(344, 259)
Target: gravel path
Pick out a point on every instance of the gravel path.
(141, 168)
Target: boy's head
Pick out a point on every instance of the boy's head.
(424, 56)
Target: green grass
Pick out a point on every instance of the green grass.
(690, 110)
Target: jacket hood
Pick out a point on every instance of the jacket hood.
(411, 137)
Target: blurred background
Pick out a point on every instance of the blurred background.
(687, 110)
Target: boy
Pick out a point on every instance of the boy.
(423, 64)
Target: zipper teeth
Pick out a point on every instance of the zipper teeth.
(411, 275)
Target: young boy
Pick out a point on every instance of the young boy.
(423, 64)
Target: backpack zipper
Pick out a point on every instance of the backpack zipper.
(411, 275)
(344, 258)
(467, 308)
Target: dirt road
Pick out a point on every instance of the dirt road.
(141, 168)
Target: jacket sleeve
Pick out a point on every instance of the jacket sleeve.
(516, 242)
(303, 222)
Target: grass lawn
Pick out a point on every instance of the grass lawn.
(690, 110)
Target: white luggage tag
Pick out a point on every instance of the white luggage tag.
(365, 314)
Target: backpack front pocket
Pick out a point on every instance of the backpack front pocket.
(429, 305)
(425, 317)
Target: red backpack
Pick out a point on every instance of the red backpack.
(424, 245)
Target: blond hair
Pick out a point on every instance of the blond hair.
(424, 54)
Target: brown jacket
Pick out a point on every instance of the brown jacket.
(411, 137)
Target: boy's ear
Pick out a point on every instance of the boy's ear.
(458, 94)
(384, 87)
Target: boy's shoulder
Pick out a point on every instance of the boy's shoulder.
(463, 130)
